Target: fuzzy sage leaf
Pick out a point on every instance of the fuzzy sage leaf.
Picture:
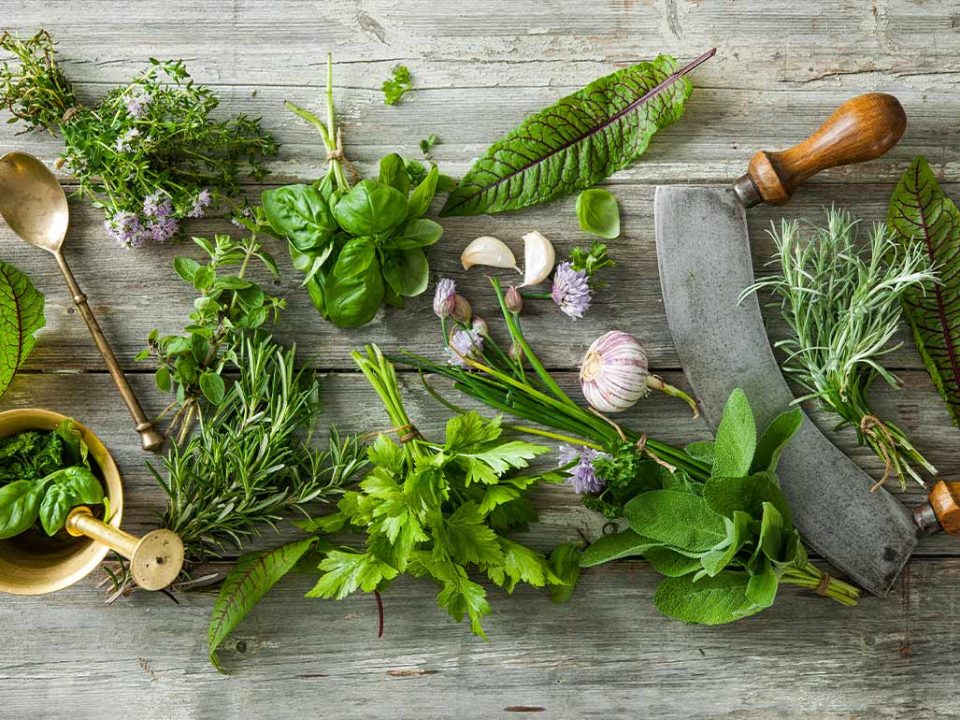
(577, 141)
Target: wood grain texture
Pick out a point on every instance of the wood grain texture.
(781, 69)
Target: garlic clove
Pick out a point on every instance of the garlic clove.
(538, 258)
(489, 251)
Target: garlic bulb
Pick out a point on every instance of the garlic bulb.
(613, 376)
(490, 251)
(538, 258)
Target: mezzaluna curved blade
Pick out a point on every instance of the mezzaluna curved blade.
(703, 251)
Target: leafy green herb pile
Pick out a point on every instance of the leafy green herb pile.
(723, 545)
(437, 510)
(922, 214)
(842, 304)
(361, 246)
(21, 315)
(43, 475)
(149, 154)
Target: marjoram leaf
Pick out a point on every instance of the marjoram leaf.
(21, 315)
(576, 142)
(248, 581)
(921, 212)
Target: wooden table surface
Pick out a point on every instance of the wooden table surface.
(780, 68)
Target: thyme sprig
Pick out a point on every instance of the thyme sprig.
(842, 304)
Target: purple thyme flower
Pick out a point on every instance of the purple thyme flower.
(126, 229)
(200, 204)
(464, 344)
(137, 101)
(157, 206)
(583, 476)
(163, 229)
(125, 142)
(571, 290)
(237, 219)
(445, 298)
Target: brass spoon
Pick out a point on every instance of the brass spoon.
(155, 559)
(35, 207)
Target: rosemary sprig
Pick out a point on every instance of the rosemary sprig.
(842, 304)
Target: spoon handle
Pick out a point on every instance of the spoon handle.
(151, 439)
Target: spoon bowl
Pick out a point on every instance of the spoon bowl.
(32, 201)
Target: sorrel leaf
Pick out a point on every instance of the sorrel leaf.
(21, 315)
(577, 141)
(921, 212)
(248, 581)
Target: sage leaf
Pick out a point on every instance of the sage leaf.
(726, 495)
(576, 142)
(920, 212)
(21, 315)
(248, 581)
(771, 532)
(762, 586)
(681, 520)
(671, 563)
(738, 534)
(707, 601)
(598, 213)
(565, 565)
(702, 451)
(775, 439)
(625, 543)
(736, 437)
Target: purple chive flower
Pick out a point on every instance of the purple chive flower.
(583, 476)
(125, 141)
(464, 344)
(137, 101)
(445, 298)
(126, 229)
(200, 204)
(571, 290)
(157, 206)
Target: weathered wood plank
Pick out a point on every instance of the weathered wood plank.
(134, 291)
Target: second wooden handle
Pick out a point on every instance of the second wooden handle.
(863, 128)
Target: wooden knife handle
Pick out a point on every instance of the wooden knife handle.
(863, 128)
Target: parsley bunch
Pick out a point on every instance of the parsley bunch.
(438, 510)
(149, 154)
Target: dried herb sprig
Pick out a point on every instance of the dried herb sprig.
(842, 303)
(149, 154)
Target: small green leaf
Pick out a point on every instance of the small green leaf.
(736, 437)
(353, 300)
(54, 509)
(775, 439)
(739, 532)
(301, 214)
(408, 272)
(417, 234)
(246, 583)
(212, 386)
(186, 268)
(599, 213)
(771, 532)
(162, 378)
(395, 87)
(707, 601)
(393, 172)
(19, 506)
(422, 196)
(762, 587)
(371, 209)
(355, 257)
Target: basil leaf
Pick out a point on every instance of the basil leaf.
(407, 272)
(355, 257)
(54, 508)
(371, 209)
(299, 213)
(680, 520)
(19, 505)
(417, 234)
(707, 601)
(353, 300)
(599, 213)
(423, 195)
(775, 439)
(576, 142)
(246, 583)
(393, 172)
(736, 437)
(21, 315)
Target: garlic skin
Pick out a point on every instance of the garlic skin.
(614, 372)
(488, 250)
(538, 258)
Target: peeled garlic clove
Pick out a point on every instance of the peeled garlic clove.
(538, 258)
(613, 376)
(489, 251)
